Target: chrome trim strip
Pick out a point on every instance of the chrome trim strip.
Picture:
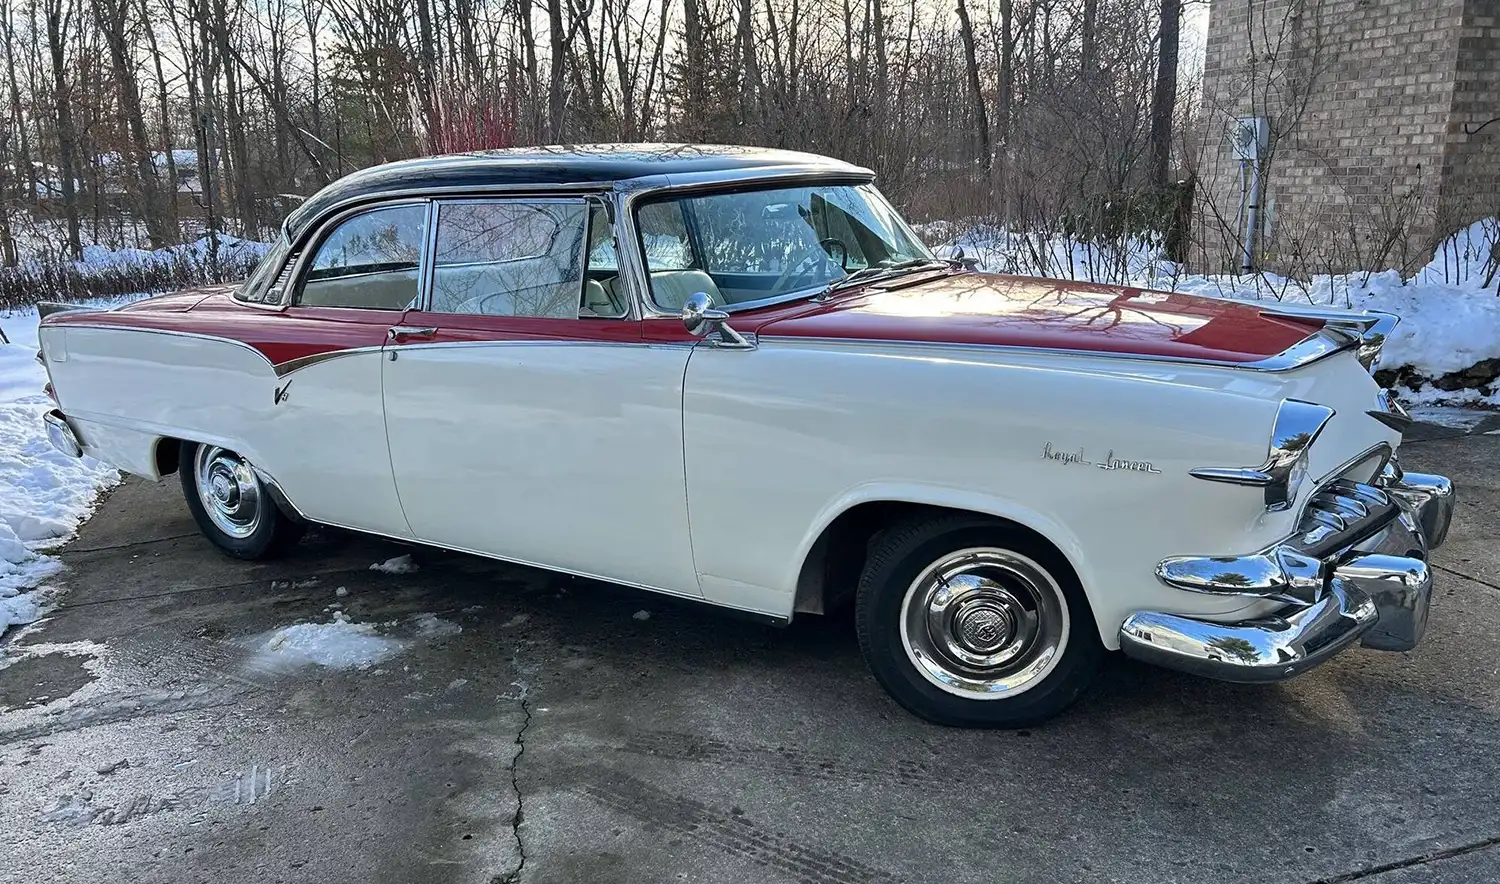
(621, 185)
(282, 369)
(305, 251)
(1383, 449)
(1309, 350)
(1370, 328)
(1391, 412)
(1296, 427)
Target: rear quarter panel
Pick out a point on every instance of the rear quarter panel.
(127, 389)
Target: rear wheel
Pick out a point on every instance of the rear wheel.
(968, 623)
(231, 504)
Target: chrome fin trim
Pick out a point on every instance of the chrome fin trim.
(1296, 427)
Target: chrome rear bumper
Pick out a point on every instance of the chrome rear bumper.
(61, 434)
(1375, 588)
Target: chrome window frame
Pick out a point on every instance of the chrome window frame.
(308, 250)
(585, 199)
(697, 184)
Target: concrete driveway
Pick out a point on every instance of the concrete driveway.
(563, 736)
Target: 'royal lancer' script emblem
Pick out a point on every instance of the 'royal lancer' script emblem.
(1110, 462)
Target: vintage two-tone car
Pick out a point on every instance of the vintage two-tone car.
(738, 376)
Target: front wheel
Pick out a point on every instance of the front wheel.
(231, 504)
(968, 623)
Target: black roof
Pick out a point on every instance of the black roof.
(573, 164)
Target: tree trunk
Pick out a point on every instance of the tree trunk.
(112, 17)
(174, 223)
(1164, 99)
(976, 90)
(695, 71)
(27, 172)
(556, 94)
(750, 87)
(67, 136)
(1090, 40)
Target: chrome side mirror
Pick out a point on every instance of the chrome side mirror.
(702, 318)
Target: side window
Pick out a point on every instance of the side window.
(664, 237)
(511, 258)
(603, 293)
(369, 260)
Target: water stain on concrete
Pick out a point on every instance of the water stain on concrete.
(42, 678)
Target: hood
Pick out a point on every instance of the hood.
(1017, 311)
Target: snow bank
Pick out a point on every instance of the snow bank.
(1449, 320)
(232, 249)
(44, 494)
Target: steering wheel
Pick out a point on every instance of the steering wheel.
(832, 243)
(803, 266)
(479, 304)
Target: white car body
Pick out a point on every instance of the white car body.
(722, 468)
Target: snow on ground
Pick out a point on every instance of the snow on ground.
(344, 644)
(340, 644)
(1449, 319)
(44, 494)
(397, 565)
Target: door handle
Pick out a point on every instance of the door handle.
(406, 332)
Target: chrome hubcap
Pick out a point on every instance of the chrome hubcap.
(984, 623)
(228, 490)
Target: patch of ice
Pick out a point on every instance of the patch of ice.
(1451, 416)
(337, 645)
(398, 565)
(433, 626)
(641, 615)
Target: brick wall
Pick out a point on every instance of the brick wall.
(1374, 109)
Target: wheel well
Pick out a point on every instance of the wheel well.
(830, 574)
(168, 451)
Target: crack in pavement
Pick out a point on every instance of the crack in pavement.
(92, 549)
(217, 586)
(1410, 862)
(1479, 580)
(514, 875)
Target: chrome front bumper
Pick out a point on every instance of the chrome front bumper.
(1356, 569)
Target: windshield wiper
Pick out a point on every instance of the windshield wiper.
(866, 274)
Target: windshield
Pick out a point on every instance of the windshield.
(258, 287)
(764, 245)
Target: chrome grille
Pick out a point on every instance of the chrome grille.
(1341, 514)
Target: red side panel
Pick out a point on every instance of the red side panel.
(280, 336)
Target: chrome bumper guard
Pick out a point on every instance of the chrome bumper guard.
(61, 434)
(1355, 569)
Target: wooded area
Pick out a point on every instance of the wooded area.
(140, 122)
